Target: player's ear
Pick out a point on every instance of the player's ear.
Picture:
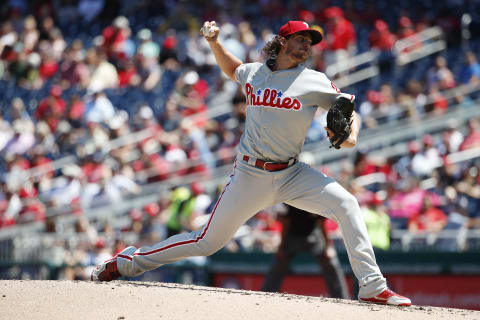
(282, 40)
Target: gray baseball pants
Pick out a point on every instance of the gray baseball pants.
(252, 189)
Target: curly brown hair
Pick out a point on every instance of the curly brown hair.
(272, 47)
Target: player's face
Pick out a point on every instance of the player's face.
(298, 46)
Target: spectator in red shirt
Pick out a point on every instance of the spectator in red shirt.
(33, 210)
(380, 37)
(93, 168)
(364, 165)
(429, 219)
(28, 190)
(341, 38)
(439, 104)
(127, 73)
(52, 108)
(76, 111)
(115, 36)
(472, 139)
(190, 95)
(407, 30)
(48, 67)
(152, 168)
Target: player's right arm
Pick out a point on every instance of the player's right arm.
(227, 62)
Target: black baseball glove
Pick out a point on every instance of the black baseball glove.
(339, 121)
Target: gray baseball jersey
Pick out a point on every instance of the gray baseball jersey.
(280, 109)
(281, 106)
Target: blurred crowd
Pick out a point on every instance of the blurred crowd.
(99, 100)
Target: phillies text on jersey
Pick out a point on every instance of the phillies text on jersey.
(270, 98)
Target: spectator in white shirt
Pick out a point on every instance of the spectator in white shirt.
(68, 188)
(99, 109)
(22, 140)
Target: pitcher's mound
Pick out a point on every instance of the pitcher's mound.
(147, 300)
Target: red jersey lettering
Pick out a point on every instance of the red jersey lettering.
(271, 98)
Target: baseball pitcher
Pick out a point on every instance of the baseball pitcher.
(282, 96)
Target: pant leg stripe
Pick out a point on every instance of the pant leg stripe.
(193, 240)
(188, 241)
(124, 257)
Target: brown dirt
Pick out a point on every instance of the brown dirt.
(147, 300)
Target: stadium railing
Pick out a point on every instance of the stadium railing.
(457, 157)
(365, 65)
(419, 45)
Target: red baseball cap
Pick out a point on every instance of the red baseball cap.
(292, 27)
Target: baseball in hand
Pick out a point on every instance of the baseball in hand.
(208, 29)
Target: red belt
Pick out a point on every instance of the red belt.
(269, 166)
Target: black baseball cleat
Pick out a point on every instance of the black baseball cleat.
(107, 271)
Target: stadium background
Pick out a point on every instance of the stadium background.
(114, 118)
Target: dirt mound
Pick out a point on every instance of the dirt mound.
(146, 300)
